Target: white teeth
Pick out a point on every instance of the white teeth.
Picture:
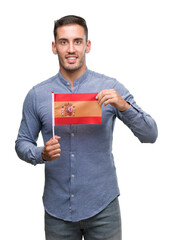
(72, 58)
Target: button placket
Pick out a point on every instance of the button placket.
(73, 168)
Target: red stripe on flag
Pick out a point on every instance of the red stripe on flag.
(75, 97)
(78, 120)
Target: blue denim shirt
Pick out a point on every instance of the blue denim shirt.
(83, 181)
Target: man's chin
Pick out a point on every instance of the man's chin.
(72, 68)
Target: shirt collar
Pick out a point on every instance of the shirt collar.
(76, 81)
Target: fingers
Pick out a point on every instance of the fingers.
(52, 149)
(106, 96)
(53, 141)
(110, 96)
(106, 99)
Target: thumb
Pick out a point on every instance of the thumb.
(57, 137)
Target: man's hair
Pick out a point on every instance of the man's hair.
(70, 19)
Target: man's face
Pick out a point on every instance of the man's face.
(71, 46)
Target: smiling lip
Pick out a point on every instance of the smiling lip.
(71, 59)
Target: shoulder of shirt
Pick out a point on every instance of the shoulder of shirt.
(103, 77)
(109, 82)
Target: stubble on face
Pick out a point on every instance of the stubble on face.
(71, 67)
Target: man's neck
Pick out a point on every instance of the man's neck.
(71, 76)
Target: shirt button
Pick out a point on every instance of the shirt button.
(72, 134)
(72, 155)
(73, 175)
(72, 195)
(68, 83)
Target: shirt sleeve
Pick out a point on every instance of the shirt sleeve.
(26, 143)
(141, 124)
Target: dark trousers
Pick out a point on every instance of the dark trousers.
(106, 225)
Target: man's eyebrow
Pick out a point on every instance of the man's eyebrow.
(62, 39)
(65, 39)
(81, 39)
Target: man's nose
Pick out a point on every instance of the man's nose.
(71, 48)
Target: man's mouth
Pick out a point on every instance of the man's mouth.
(71, 59)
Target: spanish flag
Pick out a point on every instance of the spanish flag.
(76, 108)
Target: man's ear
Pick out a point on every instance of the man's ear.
(54, 48)
(88, 46)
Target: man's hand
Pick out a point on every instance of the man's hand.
(110, 96)
(52, 149)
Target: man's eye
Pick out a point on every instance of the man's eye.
(77, 42)
(63, 42)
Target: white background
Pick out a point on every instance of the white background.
(131, 41)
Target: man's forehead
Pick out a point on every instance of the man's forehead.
(70, 31)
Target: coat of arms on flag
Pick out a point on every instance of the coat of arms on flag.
(68, 110)
(76, 108)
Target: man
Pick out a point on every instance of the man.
(81, 190)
